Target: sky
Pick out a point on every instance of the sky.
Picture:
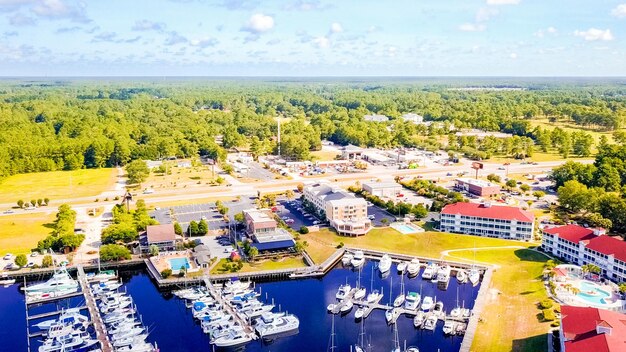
(312, 38)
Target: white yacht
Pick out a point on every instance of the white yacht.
(272, 325)
(389, 316)
(137, 347)
(418, 321)
(443, 274)
(358, 314)
(413, 267)
(128, 333)
(343, 291)
(427, 303)
(399, 300)
(130, 340)
(258, 310)
(234, 338)
(235, 285)
(358, 259)
(346, 307)
(474, 276)
(374, 296)
(70, 316)
(385, 263)
(359, 293)
(6, 281)
(60, 281)
(438, 310)
(430, 271)
(449, 327)
(347, 258)
(461, 276)
(67, 343)
(413, 300)
(430, 323)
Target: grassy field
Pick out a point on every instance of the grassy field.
(324, 155)
(20, 233)
(572, 127)
(56, 184)
(178, 178)
(262, 265)
(516, 289)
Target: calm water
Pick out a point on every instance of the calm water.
(173, 328)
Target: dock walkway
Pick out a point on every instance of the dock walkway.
(230, 309)
(90, 301)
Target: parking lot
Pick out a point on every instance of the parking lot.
(184, 214)
(379, 214)
(290, 210)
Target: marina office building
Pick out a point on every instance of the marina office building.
(346, 213)
(264, 232)
(581, 246)
(488, 220)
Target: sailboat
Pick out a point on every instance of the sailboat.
(456, 312)
(360, 345)
(389, 312)
(401, 297)
(474, 274)
(374, 295)
(396, 339)
(359, 293)
(332, 335)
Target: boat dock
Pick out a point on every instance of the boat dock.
(96, 319)
(230, 309)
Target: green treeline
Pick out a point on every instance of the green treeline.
(66, 126)
(62, 235)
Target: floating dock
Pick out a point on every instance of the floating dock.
(96, 319)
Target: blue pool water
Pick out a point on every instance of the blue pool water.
(172, 326)
(598, 295)
(405, 229)
(177, 263)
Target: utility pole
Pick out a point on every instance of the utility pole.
(279, 136)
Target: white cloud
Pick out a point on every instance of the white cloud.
(485, 13)
(513, 56)
(594, 34)
(56, 9)
(336, 28)
(19, 19)
(551, 30)
(373, 29)
(619, 11)
(259, 23)
(146, 25)
(472, 27)
(204, 42)
(543, 32)
(503, 2)
(321, 42)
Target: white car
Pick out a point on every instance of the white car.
(34, 254)
(289, 221)
(8, 256)
(371, 217)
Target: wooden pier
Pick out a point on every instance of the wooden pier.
(90, 300)
(228, 307)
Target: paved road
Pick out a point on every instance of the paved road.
(281, 185)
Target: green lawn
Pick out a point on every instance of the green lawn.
(56, 184)
(20, 233)
(263, 265)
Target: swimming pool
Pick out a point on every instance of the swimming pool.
(406, 228)
(591, 293)
(177, 263)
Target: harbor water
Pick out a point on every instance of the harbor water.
(172, 326)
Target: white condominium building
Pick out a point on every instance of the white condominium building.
(581, 246)
(488, 220)
(345, 212)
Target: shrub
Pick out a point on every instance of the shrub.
(110, 252)
(166, 273)
(46, 261)
(304, 230)
(340, 245)
(548, 315)
(546, 303)
(555, 324)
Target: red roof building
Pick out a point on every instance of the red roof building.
(581, 246)
(592, 330)
(488, 220)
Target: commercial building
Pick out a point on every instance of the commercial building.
(345, 212)
(476, 187)
(351, 152)
(488, 220)
(414, 118)
(376, 118)
(162, 236)
(262, 228)
(382, 189)
(591, 329)
(581, 246)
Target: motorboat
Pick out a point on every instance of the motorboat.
(258, 310)
(67, 343)
(245, 297)
(331, 307)
(117, 304)
(6, 281)
(455, 312)
(358, 259)
(105, 286)
(359, 293)
(389, 316)
(466, 312)
(427, 303)
(449, 327)
(413, 268)
(346, 307)
(358, 314)
(130, 340)
(137, 347)
(418, 321)
(430, 271)
(222, 330)
(51, 294)
(117, 318)
(71, 315)
(208, 314)
(60, 281)
(347, 258)
(413, 300)
(399, 301)
(343, 291)
(385, 263)
(123, 326)
(272, 325)
(104, 275)
(402, 267)
(234, 338)
(460, 328)
(443, 274)
(461, 276)
(235, 285)
(65, 327)
(374, 296)
(438, 310)
(430, 323)
(128, 333)
(474, 276)
(412, 349)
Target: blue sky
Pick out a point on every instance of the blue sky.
(313, 38)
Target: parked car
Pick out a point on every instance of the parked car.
(34, 254)
(371, 217)
(9, 211)
(8, 256)
(30, 264)
(289, 221)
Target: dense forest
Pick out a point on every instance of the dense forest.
(65, 125)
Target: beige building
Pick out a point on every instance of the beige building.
(345, 212)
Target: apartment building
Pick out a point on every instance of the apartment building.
(591, 329)
(264, 231)
(346, 213)
(476, 187)
(581, 246)
(488, 220)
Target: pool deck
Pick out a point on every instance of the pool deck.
(162, 261)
